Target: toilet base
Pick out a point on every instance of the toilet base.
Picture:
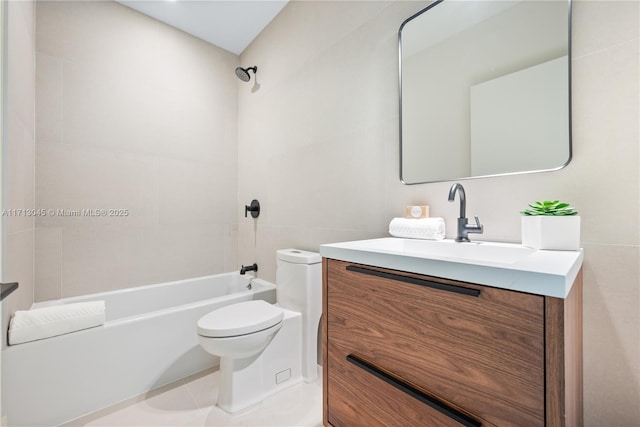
(245, 382)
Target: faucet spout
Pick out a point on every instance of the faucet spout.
(464, 228)
(463, 198)
(245, 268)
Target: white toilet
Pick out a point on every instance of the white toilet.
(264, 348)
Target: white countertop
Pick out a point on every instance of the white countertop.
(501, 265)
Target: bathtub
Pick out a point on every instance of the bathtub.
(149, 339)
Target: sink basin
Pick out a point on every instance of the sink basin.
(503, 265)
(487, 252)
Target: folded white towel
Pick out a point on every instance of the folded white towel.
(423, 228)
(39, 323)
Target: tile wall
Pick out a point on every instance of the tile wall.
(132, 115)
(318, 146)
(18, 157)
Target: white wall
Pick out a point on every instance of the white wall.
(18, 156)
(318, 146)
(131, 114)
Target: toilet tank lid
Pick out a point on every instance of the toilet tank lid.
(298, 256)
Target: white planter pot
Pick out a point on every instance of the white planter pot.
(551, 232)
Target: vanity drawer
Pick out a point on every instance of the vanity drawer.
(477, 347)
(363, 395)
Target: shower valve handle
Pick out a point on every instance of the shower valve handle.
(254, 208)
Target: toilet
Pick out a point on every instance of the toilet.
(265, 348)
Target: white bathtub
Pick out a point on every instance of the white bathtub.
(148, 340)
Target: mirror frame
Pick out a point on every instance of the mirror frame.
(569, 95)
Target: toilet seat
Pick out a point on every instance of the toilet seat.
(239, 319)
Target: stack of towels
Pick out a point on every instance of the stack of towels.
(39, 323)
(418, 228)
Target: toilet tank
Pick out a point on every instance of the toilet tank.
(299, 288)
(299, 280)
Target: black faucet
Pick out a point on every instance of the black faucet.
(463, 227)
(253, 267)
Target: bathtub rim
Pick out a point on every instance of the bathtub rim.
(98, 295)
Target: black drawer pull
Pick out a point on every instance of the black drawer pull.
(441, 407)
(414, 281)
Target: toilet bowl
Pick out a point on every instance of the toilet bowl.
(264, 348)
(239, 330)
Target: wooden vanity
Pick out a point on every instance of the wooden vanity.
(406, 349)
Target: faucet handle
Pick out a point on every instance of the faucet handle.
(480, 226)
(254, 208)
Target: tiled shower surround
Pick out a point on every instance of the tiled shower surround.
(135, 115)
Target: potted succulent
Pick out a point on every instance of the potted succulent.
(551, 225)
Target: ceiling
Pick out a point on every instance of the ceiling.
(229, 24)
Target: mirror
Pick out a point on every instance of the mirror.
(484, 89)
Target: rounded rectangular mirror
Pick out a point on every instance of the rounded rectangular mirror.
(484, 89)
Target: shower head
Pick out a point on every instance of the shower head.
(243, 73)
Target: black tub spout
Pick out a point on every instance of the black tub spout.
(253, 267)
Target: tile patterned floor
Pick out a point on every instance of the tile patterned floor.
(191, 402)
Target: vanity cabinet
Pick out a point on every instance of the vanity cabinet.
(403, 349)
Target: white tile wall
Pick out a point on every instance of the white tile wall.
(318, 144)
(18, 156)
(131, 114)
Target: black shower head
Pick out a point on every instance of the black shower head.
(243, 73)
